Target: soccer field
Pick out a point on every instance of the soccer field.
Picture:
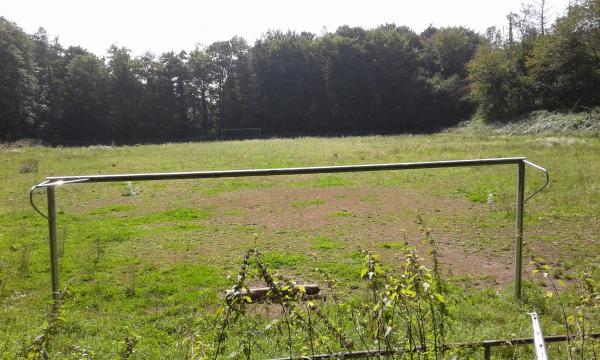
(147, 263)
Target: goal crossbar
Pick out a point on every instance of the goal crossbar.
(52, 182)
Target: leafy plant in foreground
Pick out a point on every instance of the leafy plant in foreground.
(576, 318)
(402, 311)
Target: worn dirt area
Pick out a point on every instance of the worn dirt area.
(372, 218)
(471, 239)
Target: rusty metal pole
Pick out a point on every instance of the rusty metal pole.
(52, 241)
(519, 229)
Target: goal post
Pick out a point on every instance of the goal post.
(52, 182)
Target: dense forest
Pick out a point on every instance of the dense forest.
(386, 79)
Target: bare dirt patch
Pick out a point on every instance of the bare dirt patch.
(371, 218)
(472, 241)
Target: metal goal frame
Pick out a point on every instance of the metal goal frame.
(52, 182)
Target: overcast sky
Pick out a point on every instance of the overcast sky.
(160, 26)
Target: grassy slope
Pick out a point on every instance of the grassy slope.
(129, 256)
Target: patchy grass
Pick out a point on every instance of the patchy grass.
(481, 195)
(184, 214)
(212, 187)
(152, 266)
(334, 181)
(304, 203)
(393, 245)
(112, 208)
(183, 227)
(278, 260)
(342, 213)
(234, 212)
(325, 243)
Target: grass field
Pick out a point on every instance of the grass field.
(149, 260)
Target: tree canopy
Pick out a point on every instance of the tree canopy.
(550, 68)
(385, 79)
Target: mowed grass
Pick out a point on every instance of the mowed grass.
(150, 260)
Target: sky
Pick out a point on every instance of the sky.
(159, 26)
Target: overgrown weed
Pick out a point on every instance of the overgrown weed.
(402, 311)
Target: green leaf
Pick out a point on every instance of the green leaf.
(408, 292)
(440, 297)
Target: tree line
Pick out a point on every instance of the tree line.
(352, 80)
(539, 67)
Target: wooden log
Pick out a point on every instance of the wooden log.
(260, 293)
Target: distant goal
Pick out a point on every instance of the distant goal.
(241, 133)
